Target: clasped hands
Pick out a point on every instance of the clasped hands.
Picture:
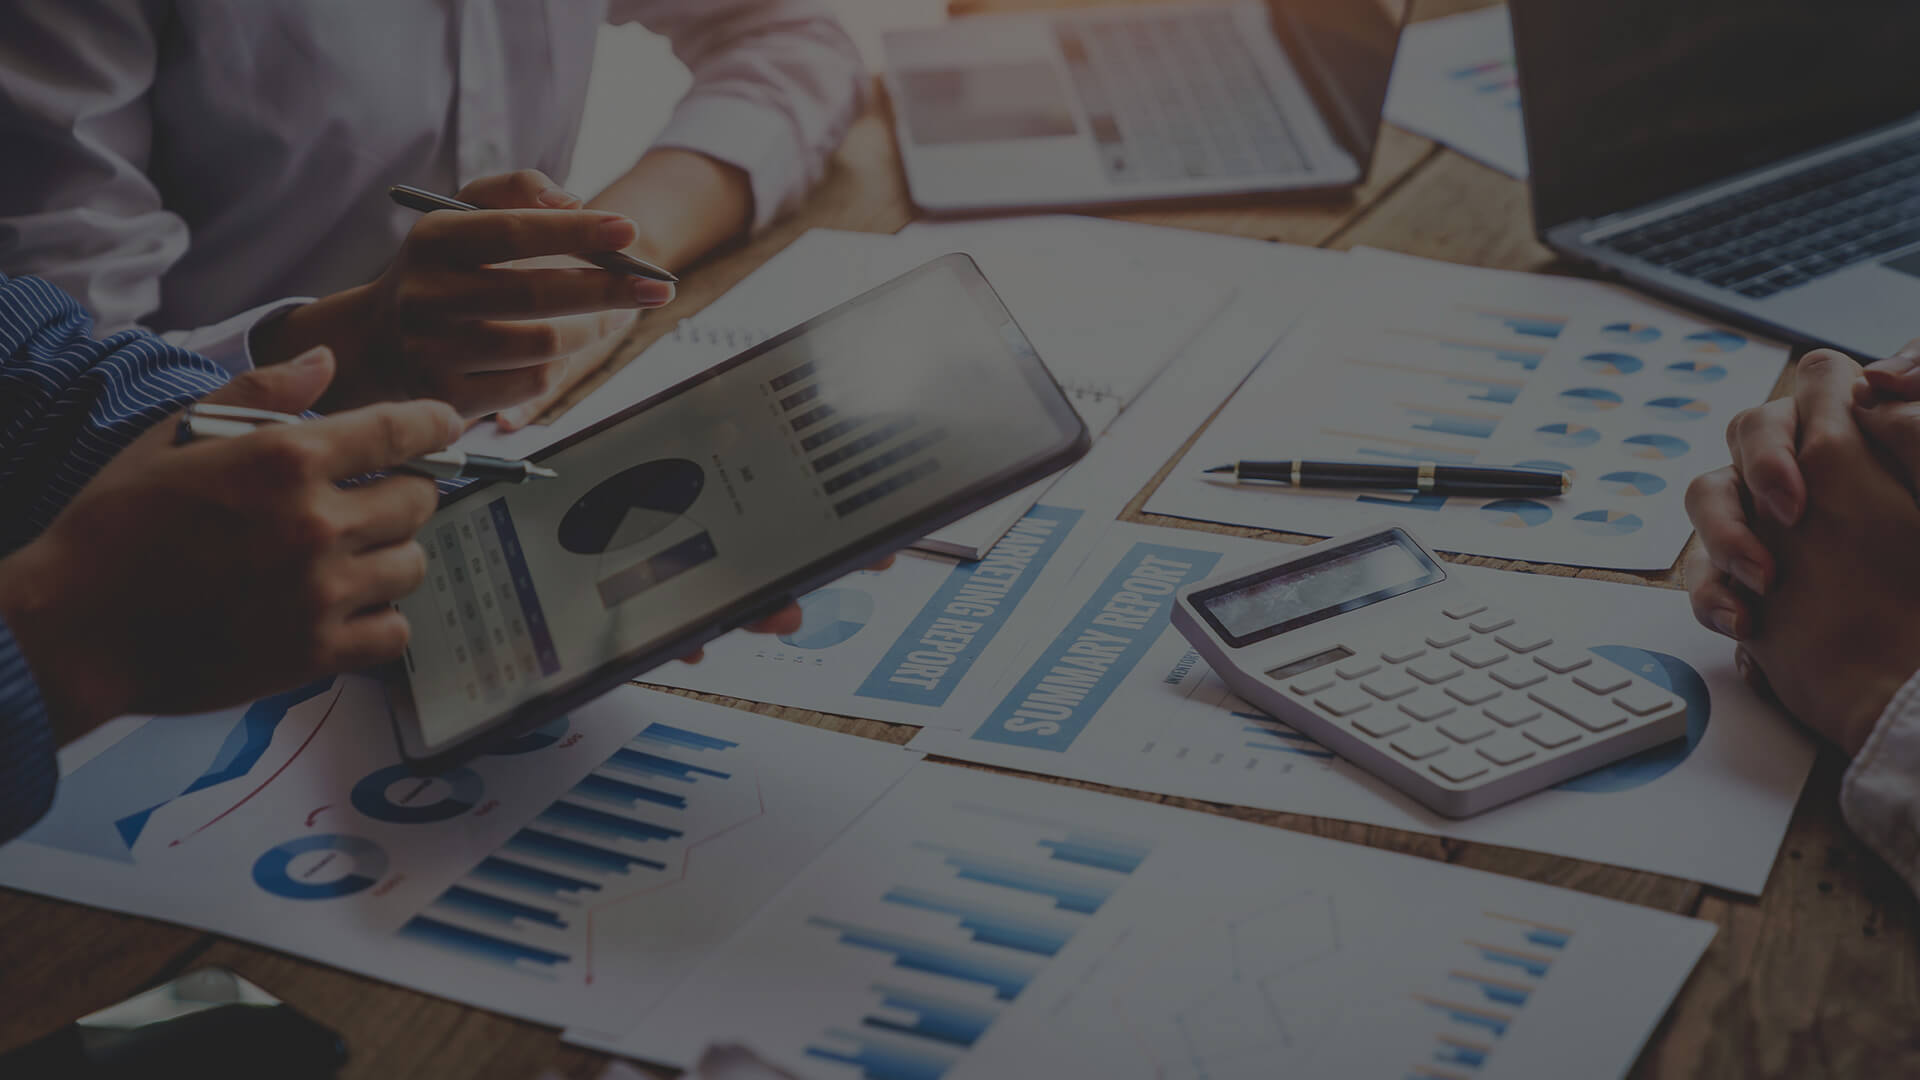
(1810, 542)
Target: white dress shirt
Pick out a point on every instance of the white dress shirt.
(195, 165)
(1880, 795)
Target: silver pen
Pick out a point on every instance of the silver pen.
(211, 421)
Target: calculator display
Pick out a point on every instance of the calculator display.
(1313, 589)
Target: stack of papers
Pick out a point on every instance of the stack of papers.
(1454, 81)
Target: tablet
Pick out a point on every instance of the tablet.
(719, 501)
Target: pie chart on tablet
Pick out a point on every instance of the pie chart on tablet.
(632, 507)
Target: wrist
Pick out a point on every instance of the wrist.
(338, 322)
(58, 633)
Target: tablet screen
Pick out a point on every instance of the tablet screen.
(802, 449)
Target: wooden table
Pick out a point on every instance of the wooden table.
(1815, 979)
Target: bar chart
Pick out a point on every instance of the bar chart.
(858, 454)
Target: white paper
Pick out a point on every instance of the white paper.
(292, 824)
(1713, 808)
(1428, 361)
(975, 925)
(1454, 81)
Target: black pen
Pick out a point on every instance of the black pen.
(209, 421)
(1425, 477)
(425, 201)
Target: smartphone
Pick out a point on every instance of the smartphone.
(720, 500)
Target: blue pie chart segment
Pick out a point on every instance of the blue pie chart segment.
(1632, 483)
(398, 796)
(1589, 399)
(1657, 447)
(1678, 408)
(1715, 341)
(1630, 333)
(320, 867)
(1567, 436)
(1668, 672)
(1517, 513)
(1611, 363)
(833, 616)
(1607, 522)
(1696, 372)
(538, 739)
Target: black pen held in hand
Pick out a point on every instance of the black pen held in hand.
(425, 201)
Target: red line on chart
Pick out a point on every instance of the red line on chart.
(276, 773)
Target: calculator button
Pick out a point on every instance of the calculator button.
(1592, 713)
(1517, 674)
(1459, 766)
(1465, 728)
(1355, 669)
(1446, 637)
(1463, 609)
(1604, 679)
(1343, 701)
(1552, 732)
(1404, 651)
(1428, 705)
(1311, 685)
(1521, 639)
(1382, 724)
(1505, 749)
(1561, 659)
(1513, 711)
(1419, 744)
(1433, 669)
(1472, 690)
(1389, 685)
(1488, 621)
(1642, 699)
(1479, 654)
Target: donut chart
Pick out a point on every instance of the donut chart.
(324, 866)
(399, 797)
(832, 617)
(1669, 673)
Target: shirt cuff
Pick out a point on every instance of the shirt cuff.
(230, 343)
(750, 137)
(1880, 794)
(29, 769)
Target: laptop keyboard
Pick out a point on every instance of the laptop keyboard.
(1770, 238)
(1177, 97)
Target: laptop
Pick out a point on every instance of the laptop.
(1140, 103)
(1756, 158)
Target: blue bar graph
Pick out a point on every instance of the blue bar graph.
(1535, 966)
(987, 925)
(1006, 974)
(1495, 392)
(497, 871)
(1100, 852)
(1496, 991)
(1523, 358)
(1459, 1053)
(573, 853)
(478, 946)
(1552, 939)
(885, 1061)
(1540, 326)
(601, 823)
(479, 905)
(1449, 422)
(605, 789)
(1069, 894)
(1496, 1023)
(692, 740)
(957, 1022)
(645, 764)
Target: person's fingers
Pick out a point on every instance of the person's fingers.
(524, 188)
(379, 436)
(532, 294)
(381, 576)
(784, 621)
(599, 336)
(1881, 384)
(388, 511)
(1750, 670)
(483, 237)
(492, 391)
(1895, 425)
(1719, 515)
(1762, 441)
(694, 657)
(883, 564)
(291, 387)
(364, 641)
(1716, 605)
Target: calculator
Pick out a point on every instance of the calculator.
(1365, 644)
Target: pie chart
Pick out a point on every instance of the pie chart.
(1630, 333)
(631, 507)
(1567, 436)
(1678, 408)
(833, 616)
(1516, 513)
(1633, 483)
(1611, 363)
(1670, 673)
(1607, 522)
(398, 796)
(1657, 447)
(320, 867)
(1589, 399)
(1696, 371)
(1715, 341)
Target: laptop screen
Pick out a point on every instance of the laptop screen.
(1343, 50)
(1630, 101)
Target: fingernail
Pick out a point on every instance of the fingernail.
(652, 293)
(1748, 573)
(1744, 665)
(1898, 364)
(614, 233)
(1730, 622)
(312, 358)
(1784, 508)
(558, 199)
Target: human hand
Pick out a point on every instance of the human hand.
(1838, 631)
(186, 578)
(451, 319)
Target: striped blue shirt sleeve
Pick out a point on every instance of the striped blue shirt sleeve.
(68, 404)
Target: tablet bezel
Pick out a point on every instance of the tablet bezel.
(1073, 444)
